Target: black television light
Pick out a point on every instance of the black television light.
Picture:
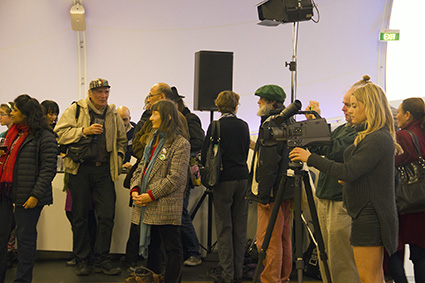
(275, 12)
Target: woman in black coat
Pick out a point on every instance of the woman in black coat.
(27, 168)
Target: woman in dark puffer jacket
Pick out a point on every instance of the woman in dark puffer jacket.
(27, 168)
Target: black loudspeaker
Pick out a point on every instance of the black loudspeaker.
(213, 74)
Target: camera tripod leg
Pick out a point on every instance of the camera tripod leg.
(300, 176)
(317, 232)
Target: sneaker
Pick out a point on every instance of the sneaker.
(71, 262)
(82, 268)
(192, 261)
(107, 268)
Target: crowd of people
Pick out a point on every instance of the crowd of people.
(356, 202)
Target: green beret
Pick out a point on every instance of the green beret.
(271, 92)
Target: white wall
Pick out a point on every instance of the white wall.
(135, 44)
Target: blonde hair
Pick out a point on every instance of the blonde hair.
(377, 110)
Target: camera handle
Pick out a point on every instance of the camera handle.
(300, 176)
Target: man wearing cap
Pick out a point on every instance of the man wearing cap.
(93, 117)
(268, 167)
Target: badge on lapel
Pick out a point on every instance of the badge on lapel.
(162, 155)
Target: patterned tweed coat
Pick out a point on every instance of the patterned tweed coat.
(167, 182)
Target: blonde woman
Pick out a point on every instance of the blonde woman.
(368, 177)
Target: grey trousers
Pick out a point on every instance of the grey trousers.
(335, 225)
(231, 214)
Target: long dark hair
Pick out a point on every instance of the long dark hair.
(416, 107)
(32, 109)
(171, 125)
(50, 107)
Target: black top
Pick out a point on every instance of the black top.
(235, 140)
(196, 133)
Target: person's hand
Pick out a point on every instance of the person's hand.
(299, 154)
(2, 152)
(30, 203)
(94, 129)
(312, 106)
(142, 199)
(127, 165)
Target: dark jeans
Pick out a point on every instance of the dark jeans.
(189, 238)
(6, 219)
(26, 234)
(396, 269)
(170, 238)
(95, 181)
(91, 225)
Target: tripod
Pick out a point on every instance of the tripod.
(207, 193)
(300, 176)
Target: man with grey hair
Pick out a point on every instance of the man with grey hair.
(92, 119)
(269, 165)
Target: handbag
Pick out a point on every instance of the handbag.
(144, 275)
(410, 183)
(210, 171)
(83, 150)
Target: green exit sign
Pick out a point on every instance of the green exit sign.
(389, 35)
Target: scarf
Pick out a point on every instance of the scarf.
(145, 229)
(16, 137)
(109, 123)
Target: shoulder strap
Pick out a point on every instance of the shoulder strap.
(77, 111)
(218, 130)
(215, 131)
(415, 141)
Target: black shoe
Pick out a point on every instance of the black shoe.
(82, 268)
(107, 268)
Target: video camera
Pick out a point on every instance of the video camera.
(280, 128)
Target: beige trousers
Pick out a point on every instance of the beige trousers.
(335, 225)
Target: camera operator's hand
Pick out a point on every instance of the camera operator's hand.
(313, 106)
(299, 154)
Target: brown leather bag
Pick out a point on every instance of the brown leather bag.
(144, 275)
